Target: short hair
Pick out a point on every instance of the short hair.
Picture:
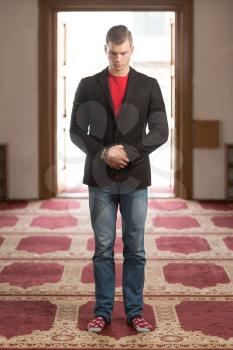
(118, 35)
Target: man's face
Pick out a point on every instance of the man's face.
(119, 55)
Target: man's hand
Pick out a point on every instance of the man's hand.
(117, 157)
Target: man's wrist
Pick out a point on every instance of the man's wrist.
(104, 153)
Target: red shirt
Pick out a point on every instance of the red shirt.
(117, 85)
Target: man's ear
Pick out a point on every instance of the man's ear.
(105, 48)
(132, 48)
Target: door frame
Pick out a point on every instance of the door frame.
(48, 10)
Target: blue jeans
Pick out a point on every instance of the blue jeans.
(103, 204)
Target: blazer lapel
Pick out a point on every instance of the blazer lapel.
(105, 87)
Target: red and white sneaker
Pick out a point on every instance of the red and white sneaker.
(96, 325)
(140, 325)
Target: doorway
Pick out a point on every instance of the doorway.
(180, 94)
(80, 53)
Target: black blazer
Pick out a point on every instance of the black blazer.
(94, 125)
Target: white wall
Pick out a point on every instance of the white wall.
(213, 87)
(19, 94)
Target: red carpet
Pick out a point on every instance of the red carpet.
(115, 329)
(223, 221)
(185, 245)
(46, 277)
(31, 274)
(8, 221)
(229, 242)
(57, 204)
(214, 318)
(22, 317)
(168, 205)
(43, 244)
(52, 222)
(199, 275)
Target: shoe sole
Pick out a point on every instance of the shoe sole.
(142, 330)
(94, 330)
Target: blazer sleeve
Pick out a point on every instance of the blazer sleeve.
(80, 122)
(157, 125)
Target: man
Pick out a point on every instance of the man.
(111, 111)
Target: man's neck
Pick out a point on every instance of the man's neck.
(119, 73)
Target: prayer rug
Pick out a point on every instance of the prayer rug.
(47, 285)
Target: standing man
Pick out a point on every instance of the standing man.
(111, 111)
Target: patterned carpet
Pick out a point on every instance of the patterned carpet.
(46, 277)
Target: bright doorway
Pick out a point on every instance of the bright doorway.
(81, 53)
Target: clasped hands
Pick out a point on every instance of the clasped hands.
(117, 157)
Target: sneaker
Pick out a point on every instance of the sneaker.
(140, 325)
(96, 325)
